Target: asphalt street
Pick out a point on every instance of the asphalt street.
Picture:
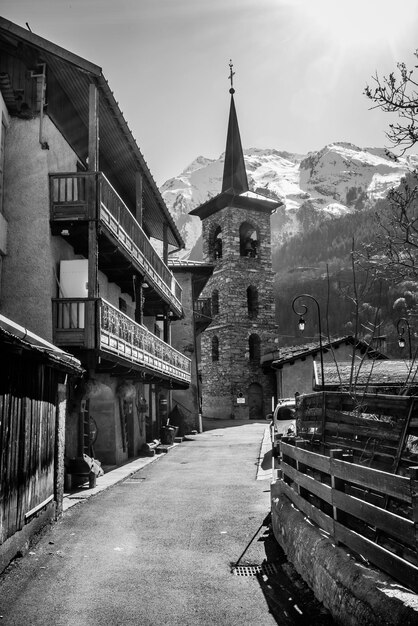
(183, 540)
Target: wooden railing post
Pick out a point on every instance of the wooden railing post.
(300, 443)
(138, 197)
(93, 246)
(93, 138)
(348, 456)
(413, 474)
(337, 484)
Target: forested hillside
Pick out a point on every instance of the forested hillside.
(325, 240)
(318, 261)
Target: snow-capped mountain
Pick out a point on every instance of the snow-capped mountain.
(338, 179)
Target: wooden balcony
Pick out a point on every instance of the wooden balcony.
(202, 309)
(81, 196)
(94, 324)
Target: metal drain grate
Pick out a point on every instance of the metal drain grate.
(253, 570)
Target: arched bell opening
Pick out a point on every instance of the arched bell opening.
(215, 244)
(248, 240)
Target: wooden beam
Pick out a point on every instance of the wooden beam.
(316, 515)
(165, 243)
(93, 148)
(306, 482)
(93, 252)
(394, 525)
(391, 484)
(395, 566)
(138, 193)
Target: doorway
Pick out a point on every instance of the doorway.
(255, 401)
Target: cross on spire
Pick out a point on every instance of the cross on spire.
(231, 77)
(235, 176)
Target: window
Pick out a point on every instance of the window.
(215, 348)
(254, 348)
(248, 240)
(123, 305)
(252, 301)
(215, 302)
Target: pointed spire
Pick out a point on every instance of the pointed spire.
(235, 176)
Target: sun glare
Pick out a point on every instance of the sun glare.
(359, 23)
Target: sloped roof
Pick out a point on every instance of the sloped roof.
(186, 264)
(235, 175)
(118, 148)
(235, 191)
(199, 270)
(14, 334)
(246, 200)
(367, 373)
(290, 354)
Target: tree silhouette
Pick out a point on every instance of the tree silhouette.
(398, 93)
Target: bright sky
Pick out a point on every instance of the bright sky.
(301, 67)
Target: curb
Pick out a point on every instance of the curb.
(107, 480)
(265, 448)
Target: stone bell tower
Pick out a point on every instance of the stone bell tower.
(237, 239)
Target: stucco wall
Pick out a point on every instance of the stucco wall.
(182, 339)
(105, 394)
(29, 269)
(299, 376)
(5, 120)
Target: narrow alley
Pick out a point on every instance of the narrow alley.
(160, 546)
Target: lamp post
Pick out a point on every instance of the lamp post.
(401, 331)
(302, 326)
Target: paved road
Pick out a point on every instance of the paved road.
(158, 547)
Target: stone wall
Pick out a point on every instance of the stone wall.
(226, 382)
(355, 593)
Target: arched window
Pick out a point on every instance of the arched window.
(215, 302)
(254, 348)
(248, 240)
(215, 348)
(215, 243)
(252, 301)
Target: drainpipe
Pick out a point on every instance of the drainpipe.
(44, 144)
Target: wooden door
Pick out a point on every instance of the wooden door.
(255, 401)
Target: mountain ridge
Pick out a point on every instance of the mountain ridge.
(340, 178)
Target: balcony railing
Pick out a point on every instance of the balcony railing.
(89, 323)
(202, 306)
(202, 313)
(70, 193)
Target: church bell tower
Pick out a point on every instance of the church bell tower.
(237, 240)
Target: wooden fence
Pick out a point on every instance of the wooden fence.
(379, 430)
(371, 512)
(28, 397)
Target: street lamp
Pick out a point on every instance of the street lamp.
(401, 331)
(301, 324)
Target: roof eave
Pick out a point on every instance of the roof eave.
(94, 74)
(228, 198)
